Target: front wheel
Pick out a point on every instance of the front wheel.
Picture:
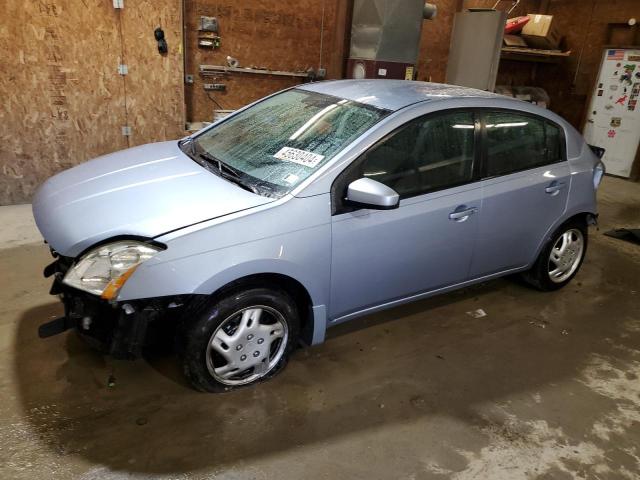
(239, 340)
(561, 258)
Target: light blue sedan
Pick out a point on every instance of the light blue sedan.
(309, 208)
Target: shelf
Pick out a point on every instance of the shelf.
(533, 54)
(217, 69)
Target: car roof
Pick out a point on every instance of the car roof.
(393, 94)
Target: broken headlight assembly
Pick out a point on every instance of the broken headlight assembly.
(105, 269)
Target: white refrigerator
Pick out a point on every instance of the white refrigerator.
(613, 120)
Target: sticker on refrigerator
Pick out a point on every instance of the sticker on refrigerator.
(633, 99)
(628, 72)
(615, 55)
(616, 122)
(622, 100)
(611, 133)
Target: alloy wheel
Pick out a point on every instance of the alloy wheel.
(565, 255)
(247, 345)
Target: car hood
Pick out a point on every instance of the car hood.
(142, 191)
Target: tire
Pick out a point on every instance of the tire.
(549, 274)
(238, 340)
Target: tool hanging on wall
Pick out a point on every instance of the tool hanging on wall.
(208, 33)
(163, 48)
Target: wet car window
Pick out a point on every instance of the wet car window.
(519, 142)
(427, 154)
(279, 142)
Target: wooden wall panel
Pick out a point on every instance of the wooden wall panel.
(434, 43)
(62, 100)
(259, 33)
(155, 89)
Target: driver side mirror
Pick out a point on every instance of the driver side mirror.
(368, 193)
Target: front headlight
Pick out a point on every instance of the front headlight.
(104, 270)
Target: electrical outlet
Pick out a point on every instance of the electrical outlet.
(219, 87)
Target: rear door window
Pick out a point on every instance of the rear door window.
(516, 142)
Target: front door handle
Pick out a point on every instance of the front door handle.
(554, 187)
(459, 215)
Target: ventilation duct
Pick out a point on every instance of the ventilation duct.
(385, 37)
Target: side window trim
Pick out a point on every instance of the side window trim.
(482, 112)
(337, 203)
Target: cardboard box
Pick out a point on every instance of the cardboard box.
(541, 32)
(514, 41)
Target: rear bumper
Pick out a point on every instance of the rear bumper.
(120, 329)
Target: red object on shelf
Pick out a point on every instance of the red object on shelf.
(514, 25)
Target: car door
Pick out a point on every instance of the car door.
(525, 188)
(379, 256)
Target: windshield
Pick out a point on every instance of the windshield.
(276, 144)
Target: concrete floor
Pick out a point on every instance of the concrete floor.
(545, 386)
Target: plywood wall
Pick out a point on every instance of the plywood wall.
(434, 43)
(63, 101)
(48, 120)
(155, 93)
(259, 33)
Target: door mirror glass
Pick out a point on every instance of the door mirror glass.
(368, 193)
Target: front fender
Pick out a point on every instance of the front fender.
(302, 255)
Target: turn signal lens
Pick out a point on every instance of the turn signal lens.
(116, 284)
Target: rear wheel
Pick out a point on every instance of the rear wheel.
(561, 258)
(239, 340)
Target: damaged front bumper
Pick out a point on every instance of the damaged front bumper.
(121, 329)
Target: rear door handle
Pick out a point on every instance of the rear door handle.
(554, 187)
(461, 215)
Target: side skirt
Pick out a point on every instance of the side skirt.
(420, 296)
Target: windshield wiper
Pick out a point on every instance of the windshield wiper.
(228, 172)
